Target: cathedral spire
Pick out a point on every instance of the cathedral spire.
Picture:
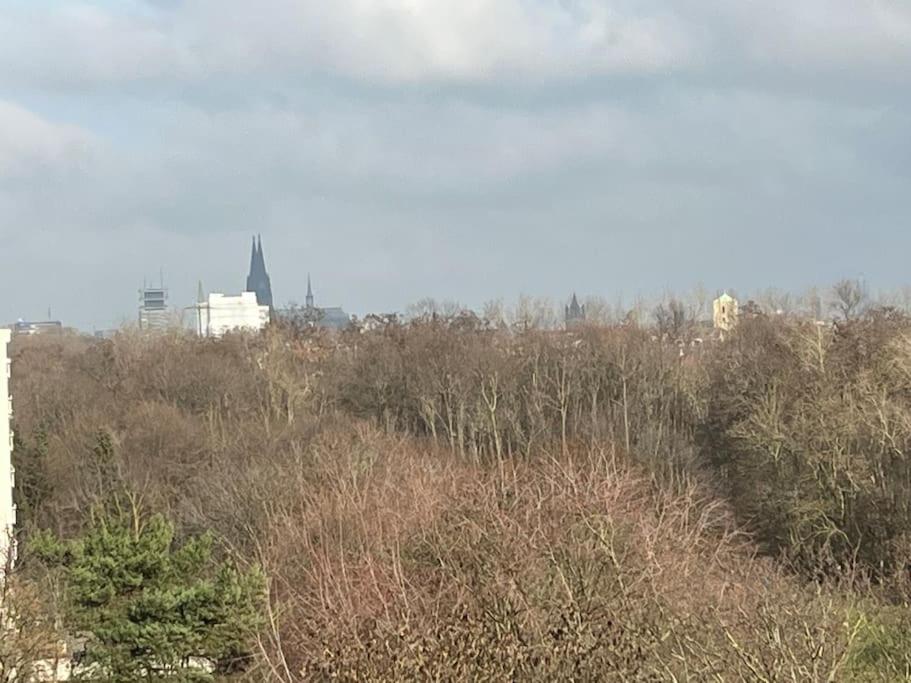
(258, 280)
(574, 314)
(260, 259)
(309, 293)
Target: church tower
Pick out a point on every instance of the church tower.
(258, 280)
(725, 309)
(309, 293)
(574, 314)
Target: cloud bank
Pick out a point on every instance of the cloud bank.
(462, 149)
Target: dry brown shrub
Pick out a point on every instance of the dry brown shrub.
(391, 561)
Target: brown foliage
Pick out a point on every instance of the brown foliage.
(450, 502)
(809, 430)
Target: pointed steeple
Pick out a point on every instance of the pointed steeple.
(253, 256)
(574, 314)
(260, 259)
(258, 279)
(309, 293)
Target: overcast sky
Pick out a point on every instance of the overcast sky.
(461, 149)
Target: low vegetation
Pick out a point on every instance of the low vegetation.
(441, 500)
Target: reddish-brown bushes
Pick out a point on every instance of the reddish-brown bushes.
(391, 561)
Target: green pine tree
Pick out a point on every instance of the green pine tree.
(152, 609)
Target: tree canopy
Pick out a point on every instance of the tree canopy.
(151, 608)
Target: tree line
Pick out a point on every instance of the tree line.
(446, 499)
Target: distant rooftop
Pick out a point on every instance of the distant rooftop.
(36, 326)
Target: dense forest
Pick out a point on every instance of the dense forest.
(445, 500)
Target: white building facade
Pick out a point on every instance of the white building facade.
(153, 309)
(725, 310)
(222, 313)
(7, 473)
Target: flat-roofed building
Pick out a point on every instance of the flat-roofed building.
(218, 314)
(33, 327)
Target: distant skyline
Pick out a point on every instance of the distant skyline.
(455, 149)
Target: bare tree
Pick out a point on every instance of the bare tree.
(30, 646)
(598, 310)
(811, 303)
(534, 313)
(775, 301)
(494, 312)
(429, 307)
(699, 300)
(672, 319)
(849, 297)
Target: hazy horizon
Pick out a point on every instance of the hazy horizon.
(400, 149)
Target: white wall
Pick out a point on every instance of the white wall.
(157, 320)
(222, 313)
(7, 509)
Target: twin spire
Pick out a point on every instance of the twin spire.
(257, 261)
(258, 280)
(574, 313)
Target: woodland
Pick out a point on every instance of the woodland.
(440, 499)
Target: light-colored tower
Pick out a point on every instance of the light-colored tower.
(7, 473)
(725, 309)
(153, 309)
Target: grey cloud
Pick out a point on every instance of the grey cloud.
(30, 145)
(479, 150)
(396, 42)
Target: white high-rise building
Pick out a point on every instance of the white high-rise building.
(7, 473)
(221, 313)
